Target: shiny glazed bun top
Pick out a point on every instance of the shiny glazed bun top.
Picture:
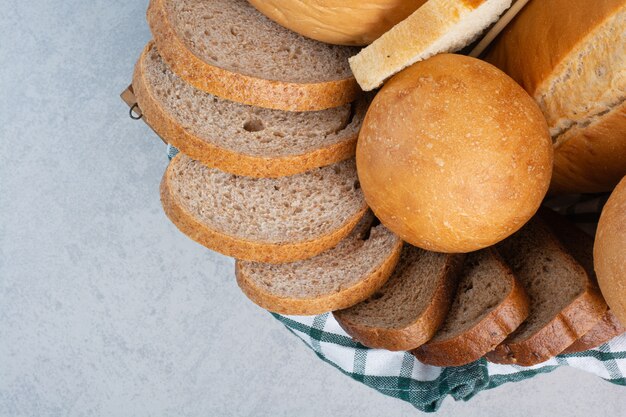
(453, 155)
(341, 22)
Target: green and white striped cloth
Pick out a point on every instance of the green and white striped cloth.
(400, 375)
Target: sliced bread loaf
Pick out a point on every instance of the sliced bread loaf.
(238, 138)
(564, 303)
(580, 245)
(229, 49)
(489, 304)
(406, 311)
(261, 219)
(570, 56)
(437, 26)
(337, 278)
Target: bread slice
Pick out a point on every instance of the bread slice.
(580, 245)
(261, 219)
(337, 278)
(229, 49)
(606, 329)
(437, 26)
(241, 139)
(410, 307)
(489, 304)
(570, 56)
(564, 303)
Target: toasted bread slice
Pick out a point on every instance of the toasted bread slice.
(337, 278)
(229, 49)
(564, 302)
(237, 138)
(407, 311)
(436, 27)
(489, 304)
(261, 219)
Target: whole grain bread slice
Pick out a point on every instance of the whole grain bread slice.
(262, 219)
(606, 329)
(437, 26)
(580, 245)
(489, 304)
(337, 278)
(406, 311)
(237, 138)
(229, 49)
(564, 303)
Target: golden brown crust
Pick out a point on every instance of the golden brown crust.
(340, 22)
(246, 249)
(602, 332)
(569, 325)
(224, 159)
(440, 182)
(609, 251)
(418, 332)
(588, 159)
(535, 26)
(241, 88)
(345, 298)
(591, 159)
(483, 337)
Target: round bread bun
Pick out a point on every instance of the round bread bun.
(341, 22)
(453, 155)
(609, 252)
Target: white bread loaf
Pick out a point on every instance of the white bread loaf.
(570, 55)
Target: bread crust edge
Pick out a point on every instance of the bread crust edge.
(328, 302)
(241, 88)
(421, 329)
(246, 249)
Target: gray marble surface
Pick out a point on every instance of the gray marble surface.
(105, 308)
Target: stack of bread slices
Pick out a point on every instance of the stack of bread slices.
(267, 122)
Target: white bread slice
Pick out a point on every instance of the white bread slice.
(570, 56)
(406, 311)
(580, 245)
(337, 278)
(262, 219)
(237, 138)
(229, 49)
(436, 27)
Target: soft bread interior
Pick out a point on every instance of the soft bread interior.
(407, 293)
(354, 259)
(245, 129)
(436, 27)
(483, 284)
(590, 82)
(233, 35)
(550, 276)
(291, 209)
